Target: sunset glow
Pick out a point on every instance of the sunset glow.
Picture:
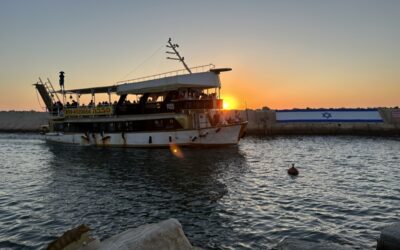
(229, 102)
(225, 105)
(317, 56)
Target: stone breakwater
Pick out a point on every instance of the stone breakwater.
(22, 121)
(261, 122)
(264, 122)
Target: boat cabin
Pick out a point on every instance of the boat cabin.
(158, 95)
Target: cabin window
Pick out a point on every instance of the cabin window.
(130, 126)
(158, 124)
(110, 127)
(95, 127)
(119, 126)
(170, 124)
(59, 127)
(102, 127)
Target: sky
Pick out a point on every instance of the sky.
(284, 54)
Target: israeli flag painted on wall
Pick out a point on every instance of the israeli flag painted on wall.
(329, 115)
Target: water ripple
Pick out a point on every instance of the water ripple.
(225, 198)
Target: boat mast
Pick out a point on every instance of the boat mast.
(175, 52)
(61, 81)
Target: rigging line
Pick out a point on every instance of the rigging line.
(156, 69)
(147, 59)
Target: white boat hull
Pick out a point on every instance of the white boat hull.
(222, 135)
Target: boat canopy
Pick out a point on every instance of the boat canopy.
(203, 80)
(94, 90)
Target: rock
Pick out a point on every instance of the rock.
(76, 238)
(294, 244)
(167, 234)
(390, 237)
(92, 245)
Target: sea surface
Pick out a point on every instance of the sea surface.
(225, 198)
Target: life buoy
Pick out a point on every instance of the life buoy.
(293, 171)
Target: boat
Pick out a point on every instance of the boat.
(179, 108)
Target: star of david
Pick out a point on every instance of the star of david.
(326, 115)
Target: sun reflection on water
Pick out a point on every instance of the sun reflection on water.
(176, 151)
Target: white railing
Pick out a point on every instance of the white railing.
(197, 69)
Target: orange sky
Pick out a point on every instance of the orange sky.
(283, 54)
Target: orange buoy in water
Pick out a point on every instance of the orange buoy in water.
(293, 170)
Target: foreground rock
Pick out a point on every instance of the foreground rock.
(167, 234)
(390, 237)
(293, 244)
(76, 238)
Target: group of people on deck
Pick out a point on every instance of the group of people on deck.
(91, 104)
(193, 94)
(184, 94)
(222, 118)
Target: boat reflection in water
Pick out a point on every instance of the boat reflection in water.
(185, 171)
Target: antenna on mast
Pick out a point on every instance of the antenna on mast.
(176, 53)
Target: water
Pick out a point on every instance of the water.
(225, 198)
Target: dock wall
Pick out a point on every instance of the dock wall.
(261, 122)
(22, 121)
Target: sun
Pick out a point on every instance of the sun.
(229, 102)
(225, 105)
